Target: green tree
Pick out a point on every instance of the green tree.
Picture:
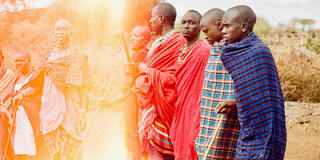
(306, 22)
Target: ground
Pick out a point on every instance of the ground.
(106, 141)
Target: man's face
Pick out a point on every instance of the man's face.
(155, 21)
(62, 32)
(190, 26)
(210, 30)
(231, 28)
(137, 40)
(21, 63)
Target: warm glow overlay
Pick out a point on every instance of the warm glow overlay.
(106, 139)
(115, 9)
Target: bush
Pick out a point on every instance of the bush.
(313, 44)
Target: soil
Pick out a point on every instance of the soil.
(106, 138)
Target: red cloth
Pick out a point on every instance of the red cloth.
(156, 87)
(186, 122)
(6, 90)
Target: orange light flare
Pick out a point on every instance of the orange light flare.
(115, 9)
(106, 140)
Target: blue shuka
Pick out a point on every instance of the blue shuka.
(258, 94)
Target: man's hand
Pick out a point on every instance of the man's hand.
(17, 99)
(131, 68)
(82, 119)
(142, 67)
(5, 110)
(226, 107)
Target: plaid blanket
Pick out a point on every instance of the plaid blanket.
(260, 103)
(217, 87)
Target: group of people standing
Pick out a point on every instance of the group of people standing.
(183, 85)
(42, 111)
(177, 91)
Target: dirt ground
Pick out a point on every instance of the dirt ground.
(106, 140)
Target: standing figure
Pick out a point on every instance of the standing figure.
(155, 84)
(6, 92)
(65, 95)
(190, 67)
(27, 141)
(259, 101)
(218, 88)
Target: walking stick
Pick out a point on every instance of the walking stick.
(92, 121)
(214, 137)
(10, 132)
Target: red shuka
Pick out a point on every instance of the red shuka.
(186, 122)
(156, 91)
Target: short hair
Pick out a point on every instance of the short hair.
(246, 14)
(214, 13)
(145, 31)
(195, 12)
(168, 11)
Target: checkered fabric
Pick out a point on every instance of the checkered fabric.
(260, 103)
(59, 141)
(217, 87)
(69, 66)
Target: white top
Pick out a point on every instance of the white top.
(24, 142)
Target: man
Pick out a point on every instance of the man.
(65, 95)
(259, 101)
(190, 73)
(217, 88)
(155, 85)
(6, 87)
(27, 140)
(139, 39)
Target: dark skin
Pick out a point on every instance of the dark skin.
(191, 27)
(237, 24)
(211, 25)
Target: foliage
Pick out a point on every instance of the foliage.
(313, 44)
(262, 27)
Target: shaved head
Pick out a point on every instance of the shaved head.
(168, 11)
(190, 24)
(211, 25)
(195, 14)
(213, 15)
(63, 30)
(243, 14)
(142, 30)
(139, 38)
(63, 22)
(238, 23)
(22, 61)
(23, 54)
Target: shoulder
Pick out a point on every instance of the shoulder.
(204, 46)
(177, 36)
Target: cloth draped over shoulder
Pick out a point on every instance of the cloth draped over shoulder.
(7, 79)
(260, 103)
(186, 122)
(32, 103)
(156, 91)
(60, 100)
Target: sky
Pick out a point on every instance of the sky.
(275, 11)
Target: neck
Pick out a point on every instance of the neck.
(166, 29)
(192, 40)
(25, 73)
(63, 46)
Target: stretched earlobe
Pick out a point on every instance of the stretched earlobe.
(244, 27)
(219, 24)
